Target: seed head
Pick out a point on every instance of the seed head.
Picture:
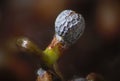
(69, 26)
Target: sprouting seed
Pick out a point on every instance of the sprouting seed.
(69, 26)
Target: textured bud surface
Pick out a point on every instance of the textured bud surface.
(69, 26)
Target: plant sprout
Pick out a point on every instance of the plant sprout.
(69, 26)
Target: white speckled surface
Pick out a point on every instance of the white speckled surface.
(70, 26)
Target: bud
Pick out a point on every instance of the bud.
(69, 26)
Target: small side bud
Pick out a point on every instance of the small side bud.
(44, 75)
(95, 77)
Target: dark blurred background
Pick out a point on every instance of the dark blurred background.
(98, 50)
